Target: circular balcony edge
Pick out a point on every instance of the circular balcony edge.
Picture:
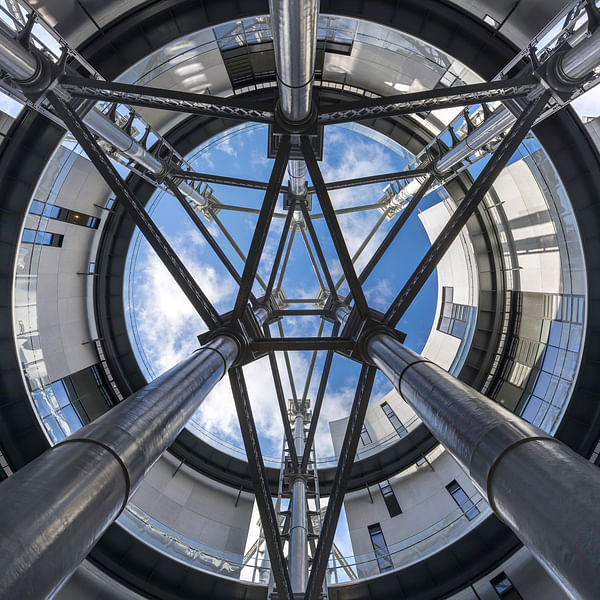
(575, 158)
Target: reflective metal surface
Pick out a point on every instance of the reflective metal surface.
(582, 59)
(537, 485)
(14, 59)
(53, 511)
(298, 550)
(294, 26)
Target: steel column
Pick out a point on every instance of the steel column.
(256, 467)
(318, 404)
(294, 26)
(546, 493)
(55, 509)
(342, 474)
(298, 547)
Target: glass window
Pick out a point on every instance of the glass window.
(555, 331)
(41, 403)
(37, 207)
(44, 238)
(60, 392)
(382, 553)
(390, 498)
(365, 438)
(54, 429)
(504, 587)
(72, 419)
(542, 384)
(394, 420)
(531, 409)
(28, 236)
(464, 502)
(51, 211)
(454, 317)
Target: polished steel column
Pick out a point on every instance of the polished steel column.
(294, 26)
(55, 509)
(298, 551)
(546, 493)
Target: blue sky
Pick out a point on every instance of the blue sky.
(166, 325)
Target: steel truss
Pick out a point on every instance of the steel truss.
(62, 102)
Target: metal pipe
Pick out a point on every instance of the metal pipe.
(24, 66)
(583, 58)
(55, 509)
(294, 27)
(574, 65)
(545, 492)
(297, 175)
(298, 551)
(122, 141)
(342, 312)
(15, 59)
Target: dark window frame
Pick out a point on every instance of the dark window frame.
(394, 419)
(462, 500)
(389, 497)
(382, 553)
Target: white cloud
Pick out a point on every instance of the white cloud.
(167, 323)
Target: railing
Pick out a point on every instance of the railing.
(200, 556)
(412, 548)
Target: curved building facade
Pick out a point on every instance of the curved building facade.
(369, 368)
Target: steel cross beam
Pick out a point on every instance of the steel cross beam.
(136, 211)
(262, 227)
(340, 482)
(195, 217)
(403, 104)
(334, 228)
(384, 178)
(466, 208)
(311, 367)
(220, 179)
(138, 95)
(318, 403)
(279, 252)
(318, 249)
(262, 492)
(292, 344)
(287, 429)
(395, 228)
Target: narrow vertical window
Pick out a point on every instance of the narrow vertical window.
(382, 554)
(464, 502)
(394, 420)
(504, 587)
(390, 498)
(365, 437)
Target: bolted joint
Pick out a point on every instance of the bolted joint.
(306, 126)
(237, 335)
(293, 477)
(556, 78)
(42, 80)
(369, 329)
